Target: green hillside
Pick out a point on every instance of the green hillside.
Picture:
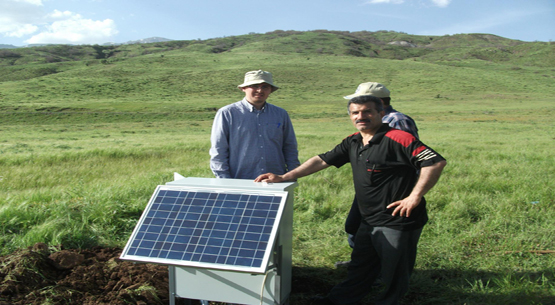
(381, 44)
(193, 78)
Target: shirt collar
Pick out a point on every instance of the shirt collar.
(251, 108)
(356, 136)
(377, 138)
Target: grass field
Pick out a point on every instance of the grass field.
(82, 150)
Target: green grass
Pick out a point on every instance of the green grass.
(87, 187)
(82, 150)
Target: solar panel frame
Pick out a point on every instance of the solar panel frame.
(223, 229)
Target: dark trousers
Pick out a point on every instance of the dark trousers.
(352, 222)
(353, 218)
(378, 250)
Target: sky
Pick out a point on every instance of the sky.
(24, 22)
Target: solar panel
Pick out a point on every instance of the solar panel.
(211, 228)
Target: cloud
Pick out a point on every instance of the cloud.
(24, 18)
(72, 28)
(17, 17)
(441, 3)
(22, 30)
(60, 15)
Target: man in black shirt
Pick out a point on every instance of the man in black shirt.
(385, 163)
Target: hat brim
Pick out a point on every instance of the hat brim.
(243, 85)
(348, 97)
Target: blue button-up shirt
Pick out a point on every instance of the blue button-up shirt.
(247, 142)
(400, 121)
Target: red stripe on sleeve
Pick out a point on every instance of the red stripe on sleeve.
(418, 150)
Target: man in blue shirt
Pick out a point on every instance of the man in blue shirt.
(252, 137)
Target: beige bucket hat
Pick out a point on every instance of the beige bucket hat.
(258, 77)
(370, 88)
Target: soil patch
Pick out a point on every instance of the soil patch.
(43, 275)
(85, 276)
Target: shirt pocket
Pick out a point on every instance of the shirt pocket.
(274, 131)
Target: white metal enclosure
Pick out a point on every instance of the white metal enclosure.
(225, 240)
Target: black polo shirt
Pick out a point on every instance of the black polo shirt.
(384, 171)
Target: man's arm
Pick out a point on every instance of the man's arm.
(429, 176)
(311, 166)
(290, 150)
(219, 150)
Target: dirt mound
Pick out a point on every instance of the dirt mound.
(53, 275)
(95, 276)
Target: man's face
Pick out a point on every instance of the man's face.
(257, 94)
(365, 117)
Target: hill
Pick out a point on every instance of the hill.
(193, 78)
(381, 44)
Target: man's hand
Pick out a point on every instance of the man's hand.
(269, 177)
(429, 176)
(311, 166)
(404, 207)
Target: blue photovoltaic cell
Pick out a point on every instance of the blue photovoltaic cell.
(207, 227)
